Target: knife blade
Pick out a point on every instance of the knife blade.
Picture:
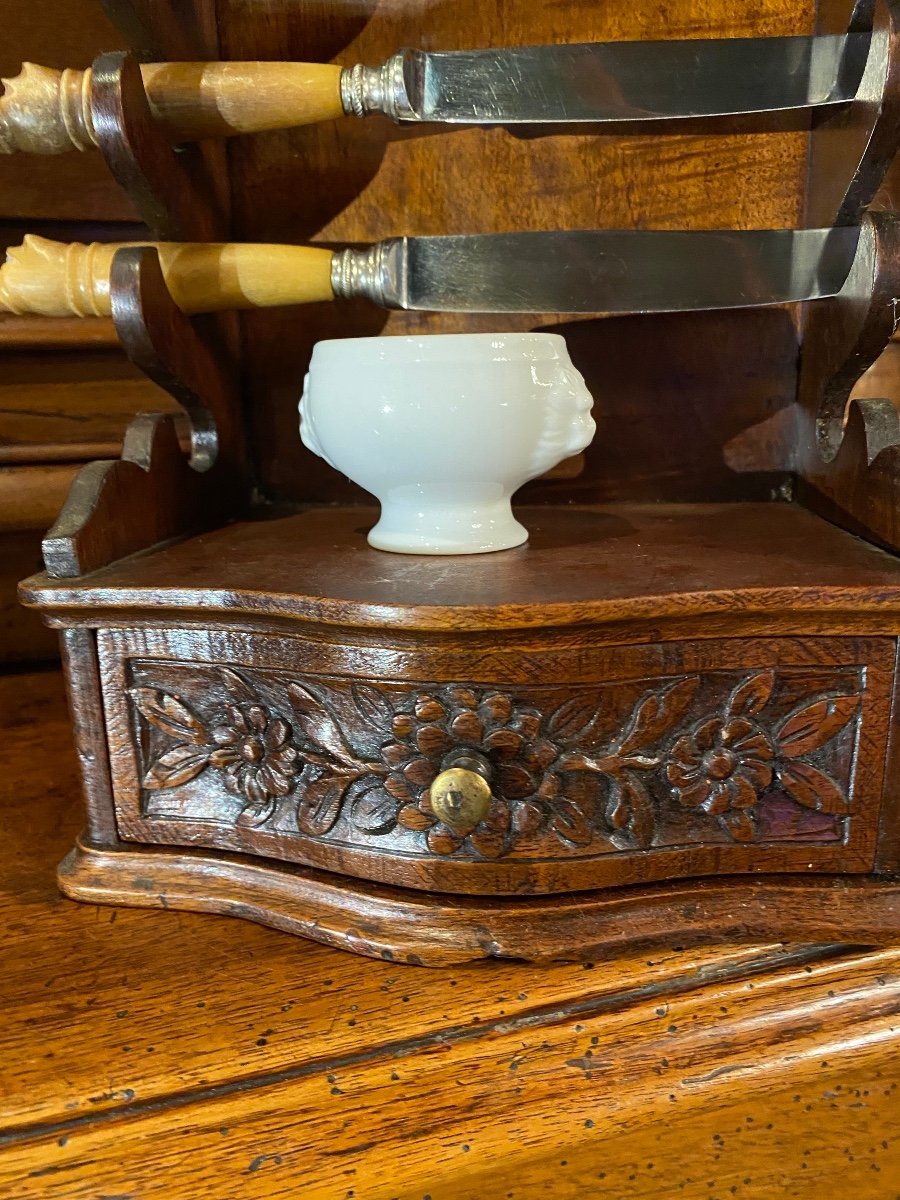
(615, 81)
(45, 111)
(594, 271)
(570, 271)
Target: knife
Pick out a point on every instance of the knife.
(48, 111)
(571, 271)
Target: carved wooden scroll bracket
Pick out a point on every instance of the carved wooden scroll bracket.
(155, 491)
(848, 451)
(175, 192)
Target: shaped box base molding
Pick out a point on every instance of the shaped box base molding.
(427, 929)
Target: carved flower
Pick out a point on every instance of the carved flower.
(253, 750)
(509, 737)
(721, 766)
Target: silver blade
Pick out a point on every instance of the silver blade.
(614, 271)
(634, 81)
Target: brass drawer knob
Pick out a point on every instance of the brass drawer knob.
(461, 795)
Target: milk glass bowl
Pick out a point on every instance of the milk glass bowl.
(444, 428)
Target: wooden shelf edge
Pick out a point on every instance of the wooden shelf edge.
(703, 567)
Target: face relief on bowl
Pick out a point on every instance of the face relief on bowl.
(443, 429)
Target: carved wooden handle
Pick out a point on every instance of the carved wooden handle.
(56, 279)
(44, 111)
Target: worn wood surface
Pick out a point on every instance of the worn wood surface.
(173, 1055)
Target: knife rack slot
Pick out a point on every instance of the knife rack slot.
(158, 489)
(671, 587)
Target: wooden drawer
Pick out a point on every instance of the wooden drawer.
(611, 764)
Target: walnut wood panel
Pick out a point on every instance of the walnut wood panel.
(167, 29)
(361, 181)
(71, 406)
(52, 333)
(31, 496)
(649, 764)
(30, 499)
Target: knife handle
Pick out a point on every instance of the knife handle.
(44, 111)
(56, 279)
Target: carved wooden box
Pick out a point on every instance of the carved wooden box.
(683, 690)
(736, 733)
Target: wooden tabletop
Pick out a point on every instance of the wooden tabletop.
(158, 1056)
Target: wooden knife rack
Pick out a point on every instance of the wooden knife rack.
(686, 683)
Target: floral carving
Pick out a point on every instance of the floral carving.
(724, 764)
(576, 775)
(249, 744)
(510, 737)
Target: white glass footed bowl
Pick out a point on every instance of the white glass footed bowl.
(444, 428)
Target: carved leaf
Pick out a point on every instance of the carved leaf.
(812, 726)
(178, 765)
(374, 811)
(303, 699)
(238, 687)
(572, 719)
(255, 815)
(751, 695)
(629, 807)
(373, 706)
(617, 809)
(812, 788)
(319, 726)
(738, 825)
(570, 823)
(168, 714)
(320, 805)
(642, 821)
(656, 713)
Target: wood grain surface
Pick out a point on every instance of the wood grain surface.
(150, 1054)
(70, 406)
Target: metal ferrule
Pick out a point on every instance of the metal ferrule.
(377, 272)
(381, 89)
